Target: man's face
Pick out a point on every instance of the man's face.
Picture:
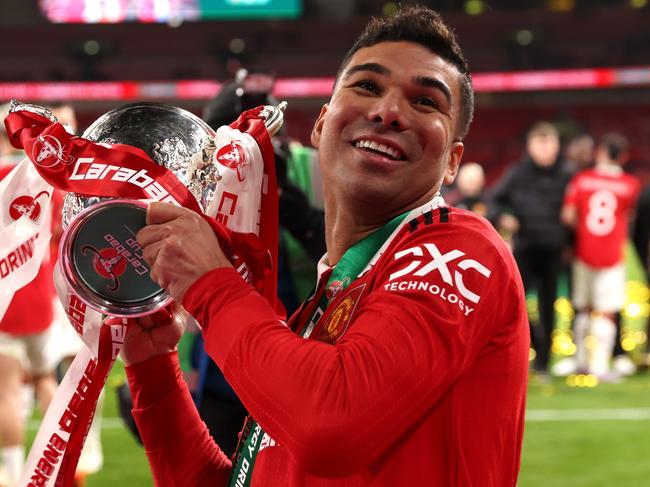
(389, 134)
(543, 148)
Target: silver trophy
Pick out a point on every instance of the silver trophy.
(171, 136)
(99, 257)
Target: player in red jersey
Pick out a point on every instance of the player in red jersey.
(598, 204)
(24, 334)
(408, 365)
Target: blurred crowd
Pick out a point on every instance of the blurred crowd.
(567, 211)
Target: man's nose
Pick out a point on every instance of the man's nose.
(389, 110)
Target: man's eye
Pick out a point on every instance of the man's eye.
(366, 85)
(425, 101)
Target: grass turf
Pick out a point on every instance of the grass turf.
(586, 452)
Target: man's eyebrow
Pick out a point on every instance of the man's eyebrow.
(425, 81)
(434, 83)
(373, 67)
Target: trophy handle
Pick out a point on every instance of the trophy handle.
(273, 117)
(17, 106)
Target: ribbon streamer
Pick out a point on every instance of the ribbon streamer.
(23, 241)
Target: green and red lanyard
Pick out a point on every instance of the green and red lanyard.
(355, 259)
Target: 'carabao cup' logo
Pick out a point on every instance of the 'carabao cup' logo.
(49, 151)
(336, 287)
(233, 155)
(108, 263)
(26, 205)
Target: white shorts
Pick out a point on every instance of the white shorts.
(32, 351)
(598, 289)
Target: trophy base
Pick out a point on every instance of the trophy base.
(102, 262)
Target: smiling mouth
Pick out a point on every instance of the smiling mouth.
(380, 149)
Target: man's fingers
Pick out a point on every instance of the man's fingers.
(152, 233)
(150, 252)
(157, 277)
(146, 322)
(159, 212)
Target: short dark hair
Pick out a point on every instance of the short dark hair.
(542, 128)
(425, 27)
(615, 144)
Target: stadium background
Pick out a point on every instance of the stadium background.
(583, 64)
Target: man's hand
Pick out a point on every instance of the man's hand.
(153, 335)
(569, 216)
(180, 246)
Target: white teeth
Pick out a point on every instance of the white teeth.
(369, 144)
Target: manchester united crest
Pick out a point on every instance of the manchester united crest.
(339, 319)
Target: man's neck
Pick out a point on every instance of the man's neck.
(608, 167)
(347, 224)
(343, 231)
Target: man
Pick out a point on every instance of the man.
(25, 333)
(598, 204)
(527, 204)
(641, 239)
(470, 185)
(579, 152)
(641, 230)
(414, 370)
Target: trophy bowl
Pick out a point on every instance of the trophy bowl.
(99, 257)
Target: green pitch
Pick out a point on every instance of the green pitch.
(575, 436)
(587, 437)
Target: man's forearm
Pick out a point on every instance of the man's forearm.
(179, 447)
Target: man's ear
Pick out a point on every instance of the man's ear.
(455, 155)
(318, 127)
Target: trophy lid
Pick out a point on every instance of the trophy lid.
(103, 263)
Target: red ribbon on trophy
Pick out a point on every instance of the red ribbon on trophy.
(238, 215)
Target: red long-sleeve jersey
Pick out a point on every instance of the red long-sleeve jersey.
(603, 200)
(415, 374)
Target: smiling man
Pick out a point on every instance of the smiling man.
(408, 364)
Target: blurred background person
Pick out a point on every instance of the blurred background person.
(579, 152)
(298, 218)
(641, 239)
(526, 204)
(597, 206)
(641, 230)
(25, 331)
(470, 186)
